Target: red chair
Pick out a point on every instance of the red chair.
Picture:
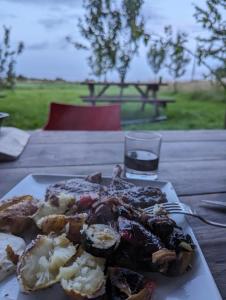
(75, 117)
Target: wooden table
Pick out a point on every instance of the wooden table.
(194, 161)
(147, 94)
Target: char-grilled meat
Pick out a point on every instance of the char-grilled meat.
(136, 195)
(143, 242)
(77, 188)
(125, 284)
(91, 186)
(161, 226)
(177, 239)
(95, 177)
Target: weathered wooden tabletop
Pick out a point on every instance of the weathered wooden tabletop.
(194, 161)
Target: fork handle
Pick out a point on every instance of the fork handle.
(211, 222)
(202, 219)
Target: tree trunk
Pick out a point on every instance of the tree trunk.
(175, 88)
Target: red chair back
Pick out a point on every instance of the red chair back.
(75, 117)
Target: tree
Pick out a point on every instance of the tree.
(156, 56)
(129, 35)
(178, 57)
(170, 52)
(112, 30)
(212, 45)
(99, 27)
(8, 59)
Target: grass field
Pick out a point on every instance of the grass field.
(196, 107)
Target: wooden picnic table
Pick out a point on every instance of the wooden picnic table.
(147, 94)
(194, 161)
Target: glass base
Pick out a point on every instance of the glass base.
(132, 174)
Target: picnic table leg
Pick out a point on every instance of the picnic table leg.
(156, 111)
(143, 106)
(92, 92)
(91, 89)
(156, 106)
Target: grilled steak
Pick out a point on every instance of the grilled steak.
(92, 187)
(77, 188)
(136, 195)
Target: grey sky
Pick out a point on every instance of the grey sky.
(43, 25)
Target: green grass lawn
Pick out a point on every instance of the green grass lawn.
(28, 106)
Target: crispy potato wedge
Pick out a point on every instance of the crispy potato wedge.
(15, 213)
(71, 225)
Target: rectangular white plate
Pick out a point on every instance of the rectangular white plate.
(197, 284)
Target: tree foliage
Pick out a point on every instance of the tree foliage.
(112, 31)
(212, 45)
(156, 55)
(178, 57)
(169, 51)
(8, 57)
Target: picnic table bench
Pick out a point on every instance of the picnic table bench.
(147, 94)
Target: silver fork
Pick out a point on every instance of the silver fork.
(180, 208)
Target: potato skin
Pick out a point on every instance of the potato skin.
(73, 295)
(40, 247)
(15, 213)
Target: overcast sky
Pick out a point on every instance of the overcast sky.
(43, 25)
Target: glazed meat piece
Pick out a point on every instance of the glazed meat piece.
(136, 195)
(104, 212)
(142, 241)
(94, 178)
(177, 240)
(76, 187)
(161, 226)
(126, 284)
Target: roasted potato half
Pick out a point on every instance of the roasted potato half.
(15, 213)
(39, 265)
(84, 279)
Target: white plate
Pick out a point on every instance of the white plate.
(197, 284)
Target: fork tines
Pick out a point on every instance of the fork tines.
(169, 207)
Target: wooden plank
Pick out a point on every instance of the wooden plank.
(73, 137)
(105, 153)
(150, 84)
(121, 99)
(188, 178)
(211, 239)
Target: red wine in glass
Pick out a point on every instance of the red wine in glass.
(141, 160)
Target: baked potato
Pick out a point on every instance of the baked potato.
(15, 213)
(11, 246)
(39, 265)
(84, 278)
